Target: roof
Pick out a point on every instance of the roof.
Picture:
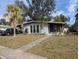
(57, 22)
(44, 22)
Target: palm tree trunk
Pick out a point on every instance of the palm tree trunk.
(14, 28)
(14, 32)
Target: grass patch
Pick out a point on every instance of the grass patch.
(18, 41)
(57, 47)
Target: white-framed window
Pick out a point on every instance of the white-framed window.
(34, 29)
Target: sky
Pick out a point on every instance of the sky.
(66, 7)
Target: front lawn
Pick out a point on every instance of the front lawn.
(57, 47)
(18, 41)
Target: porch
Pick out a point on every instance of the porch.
(55, 28)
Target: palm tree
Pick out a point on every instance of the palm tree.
(20, 21)
(13, 12)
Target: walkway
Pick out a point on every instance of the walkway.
(32, 44)
(7, 53)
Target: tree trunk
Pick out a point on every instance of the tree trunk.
(14, 24)
(14, 32)
(22, 28)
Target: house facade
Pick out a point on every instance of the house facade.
(49, 28)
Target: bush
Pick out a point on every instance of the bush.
(26, 30)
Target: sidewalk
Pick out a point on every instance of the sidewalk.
(8, 53)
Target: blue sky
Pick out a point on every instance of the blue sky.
(66, 7)
(3, 5)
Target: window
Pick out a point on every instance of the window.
(37, 28)
(34, 29)
(31, 28)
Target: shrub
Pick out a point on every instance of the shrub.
(26, 30)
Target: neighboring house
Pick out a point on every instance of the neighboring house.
(34, 27)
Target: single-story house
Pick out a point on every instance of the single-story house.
(35, 27)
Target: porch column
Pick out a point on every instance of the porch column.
(35, 28)
(62, 30)
(32, 28)
(39, 29)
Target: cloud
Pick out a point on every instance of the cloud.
(59, 13)
(1, 16)
(25, 2)
(72, 10)
(72, 7)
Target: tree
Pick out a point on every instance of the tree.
(43, 19)
(61, 18)
(20, 21)
(3, 21)
(42, 8)
(74, 27)
(38, 9)
(76, 22)
(64, 18)
(13, 12)
(21, 5)
(58, 19)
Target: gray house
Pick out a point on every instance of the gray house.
(34, 27)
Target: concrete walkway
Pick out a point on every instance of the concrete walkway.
(32, 44)
(7, 53)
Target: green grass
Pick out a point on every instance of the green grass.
(18, 41)
(57, 47)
